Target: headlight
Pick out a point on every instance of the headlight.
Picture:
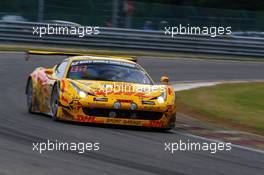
(162, 98)
(80, 92)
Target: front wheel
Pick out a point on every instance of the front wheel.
(29, 93)
(54, 104)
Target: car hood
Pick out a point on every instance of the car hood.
(120, 89)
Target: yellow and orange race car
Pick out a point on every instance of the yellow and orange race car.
(101, 89)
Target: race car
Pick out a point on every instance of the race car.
(101, 89)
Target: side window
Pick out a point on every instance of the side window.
(60, 70)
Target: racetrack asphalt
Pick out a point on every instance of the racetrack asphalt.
(122, 150)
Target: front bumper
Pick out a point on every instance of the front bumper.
(151, 119)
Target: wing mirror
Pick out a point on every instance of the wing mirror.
(164, 79)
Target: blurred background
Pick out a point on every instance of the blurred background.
(139, 14)
(139, 24)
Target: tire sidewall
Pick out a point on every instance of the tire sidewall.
(29, 99)
(54, 94)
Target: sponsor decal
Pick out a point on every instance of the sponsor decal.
(102, 61)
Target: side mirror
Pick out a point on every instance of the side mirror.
(164, 79)
(49, 71)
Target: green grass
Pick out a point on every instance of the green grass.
(238, 105)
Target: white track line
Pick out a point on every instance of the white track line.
(187, 86)
(214, 140)
(180, 86)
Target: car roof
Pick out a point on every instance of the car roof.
(111, 58)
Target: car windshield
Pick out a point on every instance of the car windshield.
(105, 70)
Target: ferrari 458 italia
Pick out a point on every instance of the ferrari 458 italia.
(100, 89)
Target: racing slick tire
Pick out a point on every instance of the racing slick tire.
(29, 93)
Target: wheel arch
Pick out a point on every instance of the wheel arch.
(28, 80)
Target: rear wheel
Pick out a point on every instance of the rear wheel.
(54, 104)
(29, 93)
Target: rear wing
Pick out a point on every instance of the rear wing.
(41, 52)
